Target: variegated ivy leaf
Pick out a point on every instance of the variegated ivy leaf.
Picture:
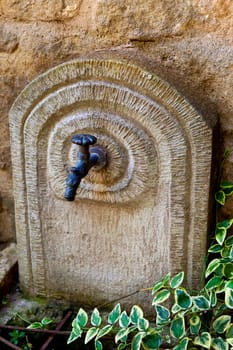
(201, 303)
(91, 333)
(162, 283)
(176, 308)
(135, 314)
(103, 331)
(225, 224)
(221, 323)
(114, 314)
(137, 340)
(214, 282)
(177, 280)
(219, 344)
(82, 318)
(46, 321)
(229, 297)
(226, 185)
(95, 318)
(98, 345)
(161, 296)
(195, 324)
(230, 341)
(152, 342)
(75, 334)
(124, 320)
(228, 270)
(229, 241)
(229, 332)
(142, 324)
(163, 314)
(182, 345)
(122, 333)
(213, 265)
(182, 298)
(226, 251)
(220, 197)
(122, 346)
(177, 328)
(220, 234)
(204, 340)
(213, 298)
(215, 248)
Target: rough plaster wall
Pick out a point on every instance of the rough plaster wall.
(186, 42)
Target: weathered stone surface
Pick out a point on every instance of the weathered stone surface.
(8, 41)
(133, 220)
(8, 262)
(188, 43)
(44, 10)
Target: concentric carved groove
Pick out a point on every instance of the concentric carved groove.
(158, 147)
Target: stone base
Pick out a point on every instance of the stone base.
(8, 268)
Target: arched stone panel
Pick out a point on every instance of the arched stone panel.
(141, 216)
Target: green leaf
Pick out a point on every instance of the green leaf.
(183, 344)
(213, 298)
(228, 270)
(124, 320)
(204, 340)
(220, 235)
(98, 345)
(103, 331)
(229, 241)
(219, 344)
(177, 328)
(35, 325)
(82, 318)
(161, 296)
(163, 314)
(46, 321)
(91, 333)
(215, 248)
(225, 223)
(229, 284)
(183, 299)
(122, 333)
(195, 324)
(95, 318)
(176, 308)
(135, 314)
(177, 280)
(229, 332)
(214, 282)
(226, 184)
(137, 340)
(75, 334)
(201, 303)
(229, 297)
(226, 251)
(230, 341)
(142, 324)
(228, 192)
(157, 286)
(114, 314)
(213, 265)
(152, 342)
(122, 346)
(220, 197)
(221, 323)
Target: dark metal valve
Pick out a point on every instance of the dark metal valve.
(86, 158)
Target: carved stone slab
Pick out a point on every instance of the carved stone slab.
(143, 215)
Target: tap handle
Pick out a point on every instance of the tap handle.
(84, 141)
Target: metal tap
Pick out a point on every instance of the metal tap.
(86, 159)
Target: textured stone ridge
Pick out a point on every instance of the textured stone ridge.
(163, 162)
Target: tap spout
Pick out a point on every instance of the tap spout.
(86, 159)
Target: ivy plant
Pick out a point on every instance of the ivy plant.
(183, 320)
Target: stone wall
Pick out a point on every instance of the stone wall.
(189, 43)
